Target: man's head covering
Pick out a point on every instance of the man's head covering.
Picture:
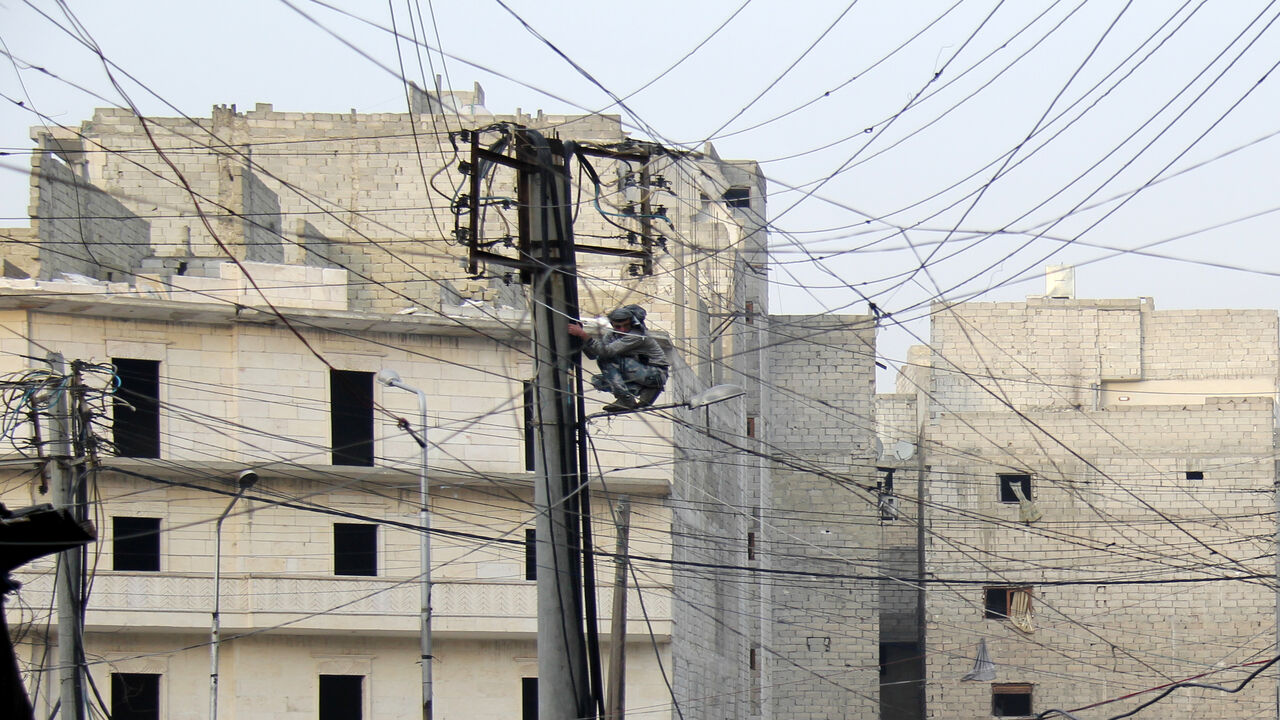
(632, 313)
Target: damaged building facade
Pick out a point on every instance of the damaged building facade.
(1099, 507)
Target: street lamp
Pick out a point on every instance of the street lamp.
(391, 378)
(710, 396)
(244, 481)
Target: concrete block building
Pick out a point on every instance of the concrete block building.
(232, 284)
(1099, 506)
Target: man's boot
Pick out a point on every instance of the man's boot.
(646, 396)
(622, 402)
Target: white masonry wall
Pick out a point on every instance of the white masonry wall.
(1151, 502)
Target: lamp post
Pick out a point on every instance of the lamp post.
(244, 481)
(391, 378)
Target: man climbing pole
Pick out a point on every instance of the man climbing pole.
(632, 365)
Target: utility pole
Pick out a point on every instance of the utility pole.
(70, 562)
(568, 685)
(546, 227)
(618, 629)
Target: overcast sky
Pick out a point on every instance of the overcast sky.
(914, 150)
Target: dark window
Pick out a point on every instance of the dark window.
(751, 545)
(1009, 482)
(135, 409)
(885, 500)
(901, 689)
(135, 696)
(997, 601)
(530, 554)
(886, 485)
(530, 446)
(751, 426)
(1011, 700)
(738, 197)
(355, 549)
(351, 417)
(135, 544)
(341, 697)
(529, 698)
(1195, 475)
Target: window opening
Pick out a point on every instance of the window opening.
(1011, 700)
(135, 696)
(135, 408)
(529, 698)
(737, 197)
(886, 501)
(530, 446)
(530, 554)
(1009, 603)
(341, 697)
(355, 549)
(1010, 485)
(135, 544)
(351, 417)
(1195, 475)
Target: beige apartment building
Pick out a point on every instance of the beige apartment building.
(253, 272)
(1099, 507)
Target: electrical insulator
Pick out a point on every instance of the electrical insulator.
(464, 167)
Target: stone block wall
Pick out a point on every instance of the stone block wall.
(822, 519)
(711, 517)
(379, 189)
(1058, 353)
(261, 217)
(306, 245)
(80, 228)
(1143, 518)
(1211, 344)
